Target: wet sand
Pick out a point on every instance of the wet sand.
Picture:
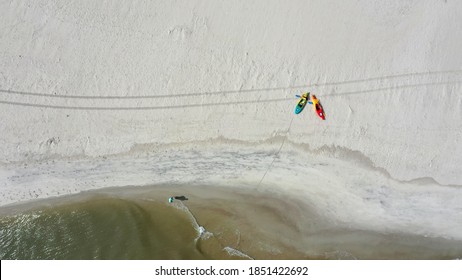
(269, 225)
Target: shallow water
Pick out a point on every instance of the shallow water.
(214, 223)
(99, 228)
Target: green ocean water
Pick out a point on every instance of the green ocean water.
(99, 228)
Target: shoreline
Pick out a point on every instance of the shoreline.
(263, 225)
(348, 192)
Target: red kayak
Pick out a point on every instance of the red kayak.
(317, 107)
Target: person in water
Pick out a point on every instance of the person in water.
(182, 198)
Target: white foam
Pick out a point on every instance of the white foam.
(237, 253)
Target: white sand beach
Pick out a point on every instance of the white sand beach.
(97, 94)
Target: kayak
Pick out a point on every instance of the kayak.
(302, 103)
(317, 107)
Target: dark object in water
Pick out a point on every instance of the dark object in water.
(182, 198)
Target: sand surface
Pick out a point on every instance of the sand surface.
(138, 93)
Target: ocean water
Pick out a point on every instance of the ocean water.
(99, 228)
(213, 223)
(109, 224)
